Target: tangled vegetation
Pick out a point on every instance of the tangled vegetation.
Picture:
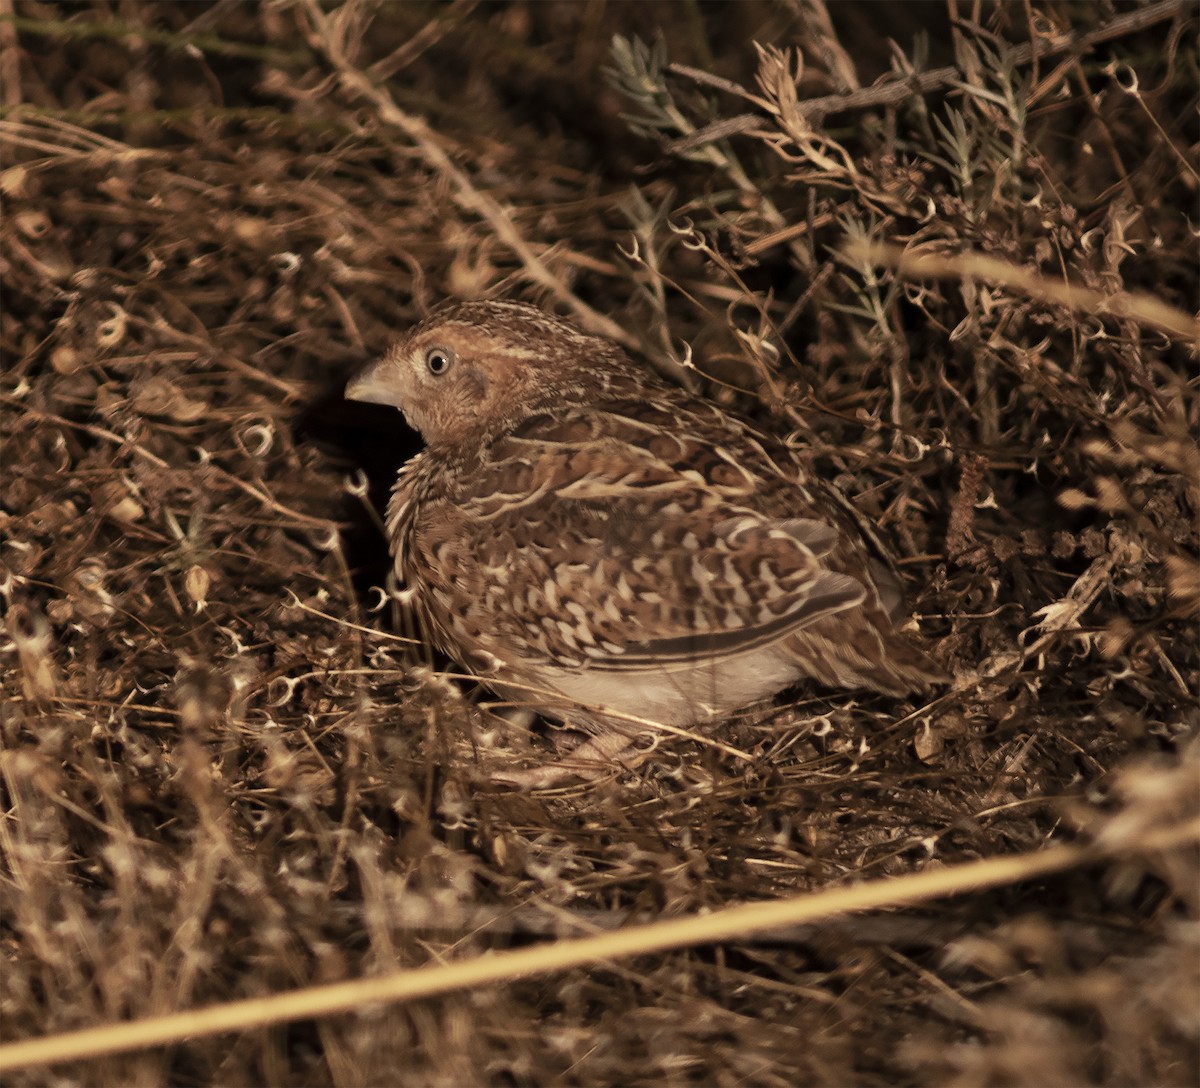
(948, 251)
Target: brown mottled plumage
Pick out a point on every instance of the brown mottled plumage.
(577, 526)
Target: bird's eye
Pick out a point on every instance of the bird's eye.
(438, 360)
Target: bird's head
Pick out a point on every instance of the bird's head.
(474, 369)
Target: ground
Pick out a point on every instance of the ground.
(946, 251)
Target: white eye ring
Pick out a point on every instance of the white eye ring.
(438, 361)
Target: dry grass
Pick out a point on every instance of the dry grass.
(963, 280)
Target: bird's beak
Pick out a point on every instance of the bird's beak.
(372, 386)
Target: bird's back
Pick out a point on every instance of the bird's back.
(593, 547)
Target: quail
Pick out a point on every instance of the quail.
(609, 549)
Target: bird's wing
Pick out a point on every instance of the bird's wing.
(629, 539)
